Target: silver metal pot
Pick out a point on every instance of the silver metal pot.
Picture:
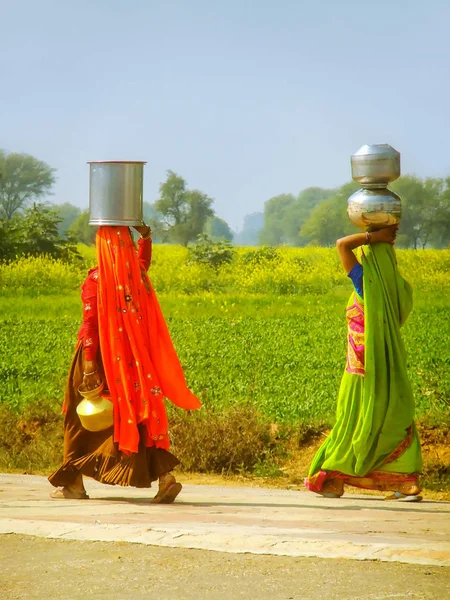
(116, 192)
(375, 165)
(372, 209)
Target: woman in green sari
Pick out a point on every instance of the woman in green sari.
(374, 443)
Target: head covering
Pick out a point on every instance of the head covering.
(140, 362)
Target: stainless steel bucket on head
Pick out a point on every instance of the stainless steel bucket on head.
(116, 192)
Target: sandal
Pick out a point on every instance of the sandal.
(332, 488)
(406, 493)
(399, 497)
(66, 493)
(169, 489)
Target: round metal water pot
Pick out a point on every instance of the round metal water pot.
(95, 412)
(374, 209)
(116, 192)
(375, 165)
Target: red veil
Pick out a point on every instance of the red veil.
(140, 362)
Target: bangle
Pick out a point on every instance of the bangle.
(368, 238)
(93, 372)
(147, 235)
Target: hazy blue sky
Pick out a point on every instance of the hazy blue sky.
(244, 99)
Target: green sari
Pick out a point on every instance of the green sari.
(374, 443)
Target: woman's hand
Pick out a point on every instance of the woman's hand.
(143, 229)
(346, 245)
(92, 377)
(387, 235)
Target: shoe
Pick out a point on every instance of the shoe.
(169, 489)
(399, 497)
(333, 488)
(66, 493)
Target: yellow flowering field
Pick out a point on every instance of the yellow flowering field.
(267, 329)
(285, 271)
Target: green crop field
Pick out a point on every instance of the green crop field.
(267, 329)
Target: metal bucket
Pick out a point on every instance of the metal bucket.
(116, 192)
(374, 209)
(375, 165)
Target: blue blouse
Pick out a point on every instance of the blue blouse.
(356, 275)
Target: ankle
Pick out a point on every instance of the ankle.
(76, 487)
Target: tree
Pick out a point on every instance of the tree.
(68, 213)
(155, 219)
(185, 212)
(23, 179)
(441, 233)
(81, 231)
(425, 211)
(218, 229)
(284, 216)
(35, 233)
(253, 225)
(329, 220)
(277, 213)
(208, 252)
(7, 241)
(412, 193)
(306, 202)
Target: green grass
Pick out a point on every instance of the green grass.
(261, 342)
(264, 331)
(285, 355)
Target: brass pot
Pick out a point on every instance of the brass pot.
(95, 411)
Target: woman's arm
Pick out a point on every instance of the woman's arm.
(346, 245)
(145, 246)
(90, 334)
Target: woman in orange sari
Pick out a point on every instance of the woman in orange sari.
(123, 342)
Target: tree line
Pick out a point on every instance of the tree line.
(316, 216)
(30, 226)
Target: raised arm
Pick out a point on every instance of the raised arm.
(346, 245)
(145, 246)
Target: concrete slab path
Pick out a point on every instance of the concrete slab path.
(234, 519)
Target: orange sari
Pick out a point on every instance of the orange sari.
(140, 362)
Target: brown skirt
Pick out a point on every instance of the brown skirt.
(95, 454)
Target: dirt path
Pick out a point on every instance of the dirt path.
(235, 520)
(36, 569)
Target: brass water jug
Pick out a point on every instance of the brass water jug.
(95, 411)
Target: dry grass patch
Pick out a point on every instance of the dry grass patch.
(239, 444)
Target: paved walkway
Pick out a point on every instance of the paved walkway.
(234, 519)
